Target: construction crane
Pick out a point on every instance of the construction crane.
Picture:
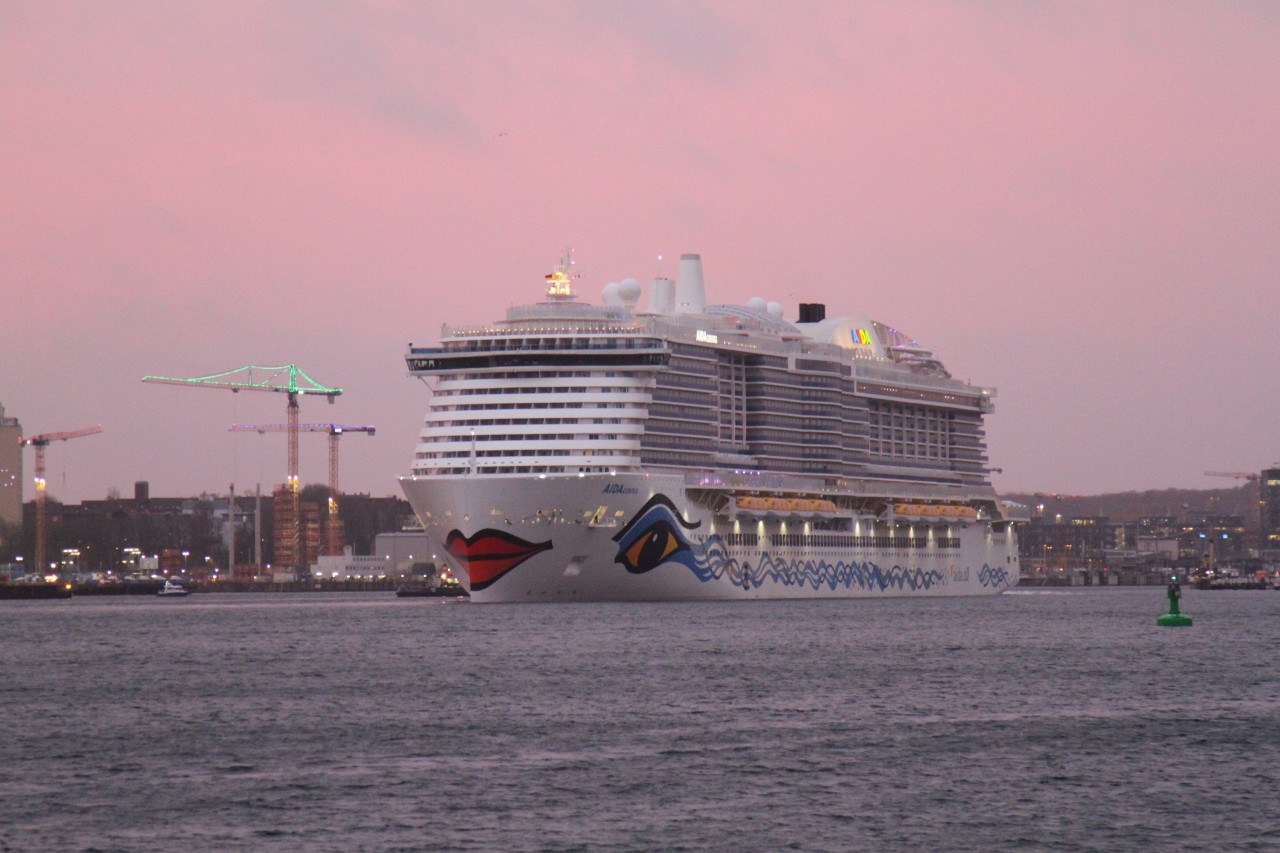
(40, 442)
(335, 431)
(281, 380)
(1239, 475)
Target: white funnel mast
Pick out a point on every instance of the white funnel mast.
(662, 297)
(691, 296)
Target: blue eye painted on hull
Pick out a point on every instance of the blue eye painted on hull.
(654, 536)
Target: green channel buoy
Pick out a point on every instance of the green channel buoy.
(1174, 618)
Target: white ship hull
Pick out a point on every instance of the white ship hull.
(638, 537)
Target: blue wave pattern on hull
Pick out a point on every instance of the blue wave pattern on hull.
(717, 564)
(659, 535)
(996, 576)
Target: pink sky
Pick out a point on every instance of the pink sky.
(1078, 204)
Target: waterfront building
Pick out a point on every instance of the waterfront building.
(116, 533)
(1058, 547)
(405, 549)
(1209, 540)
(350, 567)
(10, 471)
(1270, 509)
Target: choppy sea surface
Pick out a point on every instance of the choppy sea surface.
(1037, 720)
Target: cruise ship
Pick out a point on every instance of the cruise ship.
(683, 451)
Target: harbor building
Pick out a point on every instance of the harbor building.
(10, 471)
(1098, 550)
(1269, 498)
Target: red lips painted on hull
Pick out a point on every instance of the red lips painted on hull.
(489, 554)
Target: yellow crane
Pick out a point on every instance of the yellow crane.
(335, 431)
(40, 442)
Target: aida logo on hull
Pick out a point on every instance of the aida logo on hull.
(619, 489)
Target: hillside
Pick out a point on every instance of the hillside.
(1130, 506)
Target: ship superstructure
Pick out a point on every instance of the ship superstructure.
(686, 450)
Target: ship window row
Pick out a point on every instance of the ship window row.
(609, 342)
(678, 442)
(822, 366)
(658, 426)
(693, 351)
(673, 459)
(528, 422)
(668, 394)
(522, 469)
(811, 381)
(803, 431)
(524, 437)
(774, 408)
(531, 375)
(679, 368)
(780, 391)
(515, 454)
(691, 413)
(781, 451)
(489, 407)
(685, 380)
(536, 389)
(916, 394)
(794, 422)
(830, 540)
(898, 450)
(905, 431)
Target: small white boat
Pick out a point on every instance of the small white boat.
(174, 590)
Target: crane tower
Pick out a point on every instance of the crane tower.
(335, 431)
(40, 442)
(280, 380)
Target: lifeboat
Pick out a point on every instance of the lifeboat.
(825, 506)
(777, 504)
(752, 503)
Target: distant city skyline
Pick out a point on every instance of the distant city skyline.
(1074, 203)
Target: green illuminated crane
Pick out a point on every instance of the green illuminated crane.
(335, 432)
(281, 380)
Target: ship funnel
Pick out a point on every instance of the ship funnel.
(812, 312)
(691, 296)
(662, 296)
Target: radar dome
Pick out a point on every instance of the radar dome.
(609, 293)
(775, 308)
(629, 291)
(756, 303)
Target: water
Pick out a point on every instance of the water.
(346, 722)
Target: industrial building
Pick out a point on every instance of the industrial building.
(10, 471)
(1269, 500)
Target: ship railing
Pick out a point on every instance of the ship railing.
(895, 375)
(568, 311)
(522, 345)
(853, 487)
